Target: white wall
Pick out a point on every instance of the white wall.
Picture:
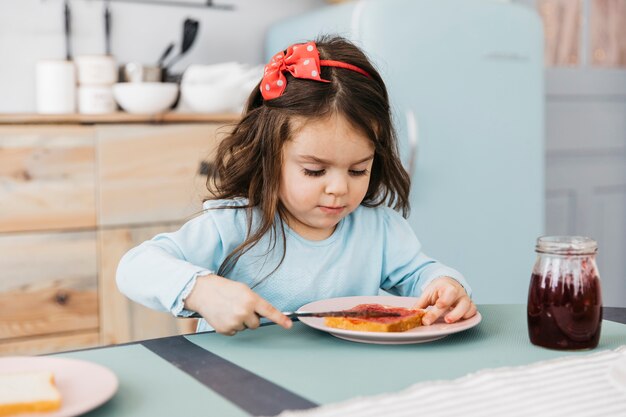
(31, 30)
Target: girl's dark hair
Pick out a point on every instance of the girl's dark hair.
(248, 161)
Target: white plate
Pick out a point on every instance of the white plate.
(83, 385)
(421, 334)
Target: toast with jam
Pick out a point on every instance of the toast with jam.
(408, 319)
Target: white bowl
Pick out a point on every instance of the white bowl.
(212, 98)
(145, 98)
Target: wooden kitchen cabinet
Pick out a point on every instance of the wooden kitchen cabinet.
(47, 178)
(149, 174)
(121, 319)
(74, 197)
(48, 286)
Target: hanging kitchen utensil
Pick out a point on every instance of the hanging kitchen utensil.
(107, 28)
(68, 30)
(165, 54)
(190, 30)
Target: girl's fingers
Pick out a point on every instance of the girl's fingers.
(252, 322)
(440, 305)
(447, 297)
(432, 315)
(442, 299)
(265, 309)
(459, 310)
(423, 301)
(440, 292)
(429, 297)
(471, 312)
(230, 330)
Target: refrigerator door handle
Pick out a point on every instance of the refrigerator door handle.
(413, 137)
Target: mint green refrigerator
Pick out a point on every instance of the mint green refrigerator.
(466, 82)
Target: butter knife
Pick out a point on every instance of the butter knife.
(339, 313)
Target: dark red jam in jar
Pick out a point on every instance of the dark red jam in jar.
(564, 298)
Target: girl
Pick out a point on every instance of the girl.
(300, 207)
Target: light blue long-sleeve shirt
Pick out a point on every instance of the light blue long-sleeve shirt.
(370, 249)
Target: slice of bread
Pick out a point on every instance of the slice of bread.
(408, 319)
(28, 392)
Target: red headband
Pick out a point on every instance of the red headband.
(302, 61)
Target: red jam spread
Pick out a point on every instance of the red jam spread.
(404, 313)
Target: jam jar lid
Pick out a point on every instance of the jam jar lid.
(566, 245)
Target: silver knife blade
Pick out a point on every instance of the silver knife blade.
(342, 313)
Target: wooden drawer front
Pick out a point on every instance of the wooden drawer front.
(47, 176)
(50, 344)
(150, 174)
(122, 320)
(48, 284)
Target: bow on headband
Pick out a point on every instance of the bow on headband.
(302, 61)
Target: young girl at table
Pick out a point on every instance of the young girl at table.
(305, 206)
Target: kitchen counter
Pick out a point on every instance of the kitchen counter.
(118, 117)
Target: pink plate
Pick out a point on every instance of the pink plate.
(421, 334)
(83, 385)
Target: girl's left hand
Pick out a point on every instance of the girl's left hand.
(445, 294)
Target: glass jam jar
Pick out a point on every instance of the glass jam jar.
(564, 298)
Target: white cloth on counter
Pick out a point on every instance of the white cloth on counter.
(573, 386)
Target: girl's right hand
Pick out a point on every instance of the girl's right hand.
(230, 306)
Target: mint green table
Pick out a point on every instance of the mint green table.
(265, 371)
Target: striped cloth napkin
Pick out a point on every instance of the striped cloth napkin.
(586, 385)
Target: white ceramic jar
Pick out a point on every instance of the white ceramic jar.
(96, 69)
(55, 87)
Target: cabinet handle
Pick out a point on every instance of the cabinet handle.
(62, 297)
(413, 136)
(206, 168)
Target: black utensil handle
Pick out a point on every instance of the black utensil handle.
(107, 28)
(68, 30)
(165, 54)
(173, 60)
(190, 31)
